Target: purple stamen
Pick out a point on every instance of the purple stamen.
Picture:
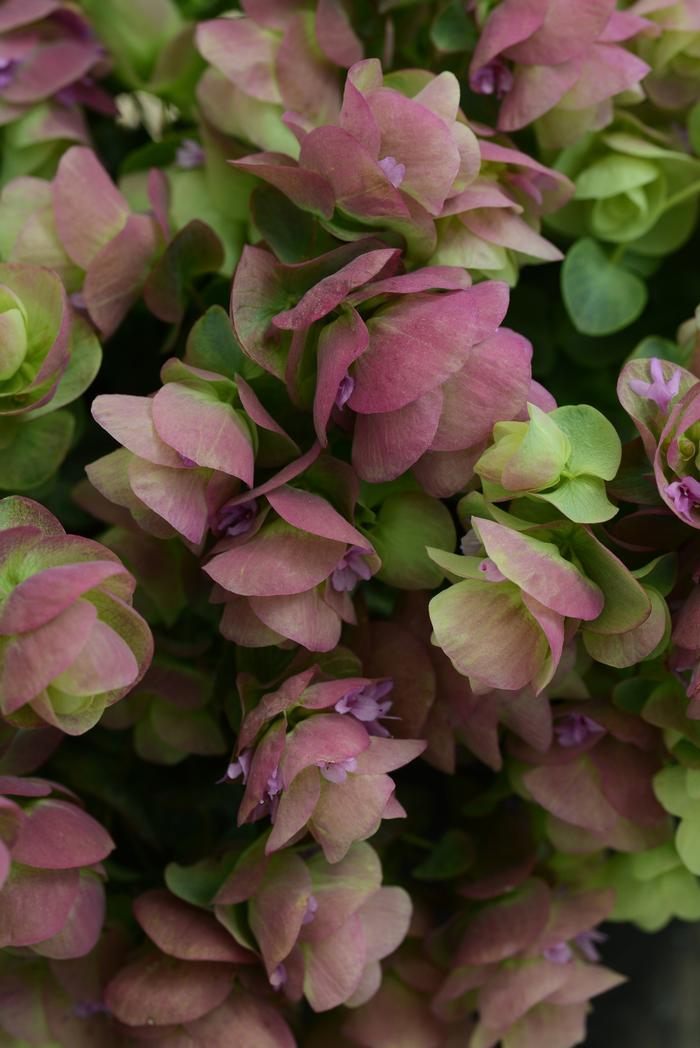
(189, 155)
(350, 569)
(235, 520)
(586, 942)
(365, 703)
(337, 771)
(661, 390)
(560, 953)
(490, 572)
(345, 391)
(394, 171)
(494, 78)
(575, 729)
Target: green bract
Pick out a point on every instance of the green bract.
(563, 457)
(631, 190)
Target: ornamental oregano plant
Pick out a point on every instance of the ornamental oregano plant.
(349, 482)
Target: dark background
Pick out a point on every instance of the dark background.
(659, 1006)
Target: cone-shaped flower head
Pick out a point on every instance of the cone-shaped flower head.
(634, 187)
(184, 452)
(51, 894)
(527, 963)
(648, 390)
(83, 227)
(493, 226)
(312, 757)
(276, 57)
(504, 624)
(673, 52)
(675, 453)
(562, 457)
(289, 560)
(386, 355)
(548, 60)
(70, 642)
(321, 929)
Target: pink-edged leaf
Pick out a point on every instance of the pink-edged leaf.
(360, 186)
(90, 211)
(506, 927)
(387, 444)
(129, 420)
(243, 52)
(295, 808)
(279, 560)
(535, 91)
(41, 597)
(32, 660)
(315, 95)
(240, 624)
(333, 967)
(55, 835)
(349, 811)
(244, 1019)
(277, 910)
(429, 278)
(308, 190)
(82, 929)
(340, 344)
(184, 931)
(315, 515)
(159, 990)
(117, 273)
(326, 737)
(332, 290)
(176, 495)
(511, 994)
(422, 341)
(194, 250)
(306, 618)
(203, 429)
(493, 385)
(570, 792)
(335, 34)
(35, 904)
(384, 755)
(385, 918)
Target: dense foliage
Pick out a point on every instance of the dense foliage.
(350, 463)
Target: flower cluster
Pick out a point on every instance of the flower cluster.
(350, 656)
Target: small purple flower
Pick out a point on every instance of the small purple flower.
(490, 572)
(235, 520)
(560, 953)
(274, 784)
(8, 68)
(72, 93)
(575, 729)
(189, 154)
(394, 171)
(337, 771)
(350, 569)
(311, 908)
(190, 463)
(494, 78)
(586, 942)
(365, 703)
(241, 767)
(345, 389)
(77, 300)
(660, 390)
(685, 496)
(278, 977)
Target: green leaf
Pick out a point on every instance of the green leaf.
(31, 450)
(627, 649)
(688, 843)
(694, 128)
(671, 793)
(286, 228)
(212, 345)
(406, 524)
(660, 573)
(83, 364)
(451, 857)
(453, 30)
(199, 884)
(626, 603)
(195, 250)
(581, 499)
(595, 445)
(600, 296)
